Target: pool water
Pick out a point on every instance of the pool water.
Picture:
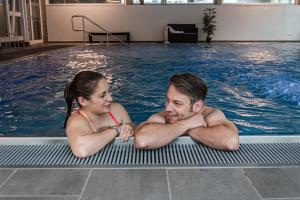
(256, 85)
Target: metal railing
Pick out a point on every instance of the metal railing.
(97, 25)
(12, 40)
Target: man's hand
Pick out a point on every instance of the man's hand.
(195, 121)
(126, 131)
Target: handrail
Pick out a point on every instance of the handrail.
(11, 39)
(94, 23)
(90, 35)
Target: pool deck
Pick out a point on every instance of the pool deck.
(150, 183)
(142, 182)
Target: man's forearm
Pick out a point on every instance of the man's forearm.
(154, 135)
(218, 137)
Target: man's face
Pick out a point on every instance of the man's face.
(178, 105)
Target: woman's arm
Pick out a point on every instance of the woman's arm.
(126, 128)
(83, 141)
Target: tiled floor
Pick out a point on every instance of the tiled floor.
(151, 183)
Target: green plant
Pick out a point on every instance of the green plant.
(209, 23)
(141, 2)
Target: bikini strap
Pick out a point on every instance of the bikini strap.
(94, 129)
(85, 116)
(113, 118)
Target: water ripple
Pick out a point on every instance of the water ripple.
(257, 85)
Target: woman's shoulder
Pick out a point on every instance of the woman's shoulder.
(120, 113)
(117, 107)
(75, 115)
(76, 120)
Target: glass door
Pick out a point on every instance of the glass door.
(34, 18)
(12, 16)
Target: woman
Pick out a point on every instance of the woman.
(98, 120)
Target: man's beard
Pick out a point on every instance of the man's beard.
(174, 118)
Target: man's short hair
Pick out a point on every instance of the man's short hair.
(190, 85)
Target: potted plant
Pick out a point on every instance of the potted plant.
(209, 23)
(141, 2)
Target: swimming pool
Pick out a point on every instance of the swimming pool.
(257, 85)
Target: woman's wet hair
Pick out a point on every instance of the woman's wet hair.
(190, 85)
(83, 85)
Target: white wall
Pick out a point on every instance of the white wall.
(146, 22)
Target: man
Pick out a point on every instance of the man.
(186, 114)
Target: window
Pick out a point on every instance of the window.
(175, 1)
(147, 2)
(260, 1)
(190, 1)
(82, 1)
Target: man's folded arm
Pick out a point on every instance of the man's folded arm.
(155, 133)
(219, 134)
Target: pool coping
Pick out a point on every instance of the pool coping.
(64, 140)
(254, 151)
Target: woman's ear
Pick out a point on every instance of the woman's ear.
(82, 101)
(197, 106)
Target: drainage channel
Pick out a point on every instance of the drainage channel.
(183, 152)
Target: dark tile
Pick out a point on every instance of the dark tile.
(127, 184)
(13, 53)
(45, 182)
(275, 182)
(4, 174)
(210, 184)
(41, 198)
(283, 199)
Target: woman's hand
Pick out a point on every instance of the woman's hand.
(126, 131)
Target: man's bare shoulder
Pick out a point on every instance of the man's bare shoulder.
(208, 111)
(157, 118)
(213, 115)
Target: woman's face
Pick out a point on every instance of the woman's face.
(100, 101)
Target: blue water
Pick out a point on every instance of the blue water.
(257, 85)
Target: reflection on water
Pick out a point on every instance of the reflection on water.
(86, 60)
(259, 55)
(246, 97)
(256, 85)
(247, 124)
